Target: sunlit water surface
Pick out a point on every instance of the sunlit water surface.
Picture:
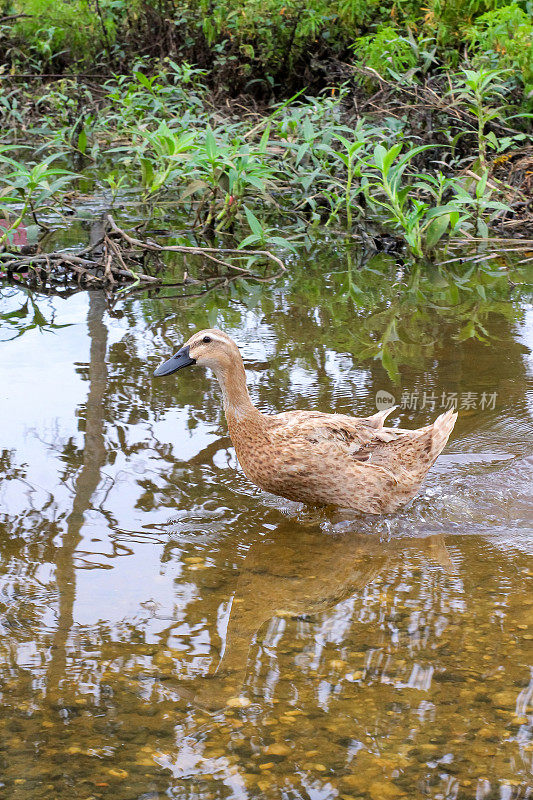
(168, 630)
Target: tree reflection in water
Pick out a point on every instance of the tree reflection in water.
(94, 457)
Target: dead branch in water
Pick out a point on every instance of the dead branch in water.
(487, 249)
(115, 260)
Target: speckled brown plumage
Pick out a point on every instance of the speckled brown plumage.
(317, 458)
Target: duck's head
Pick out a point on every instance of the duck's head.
(209, 348)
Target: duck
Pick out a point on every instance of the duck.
(314, 457)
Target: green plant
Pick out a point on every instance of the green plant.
(263, 236)
(478, 89)
(153, 138)
(248, 171)
(9, 112)
(349, 158)
(217, 168)
(29, 190)
(322, 156)
(386, 51)
(421, 223)
(162, 155)
(173, 89)
(115, 181)
(448, 19)
(483, 208)
(505, 36)
(50, 29)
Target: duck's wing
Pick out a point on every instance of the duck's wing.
(355, 437)
(406, 454)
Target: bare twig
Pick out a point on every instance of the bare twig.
(11, 17)
(107, 264)
(192, 250)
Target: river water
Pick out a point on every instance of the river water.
(168, 630)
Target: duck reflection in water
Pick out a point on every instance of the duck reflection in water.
(293, 573)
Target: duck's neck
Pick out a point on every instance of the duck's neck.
(238, 406)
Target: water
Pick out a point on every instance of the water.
(168, 630)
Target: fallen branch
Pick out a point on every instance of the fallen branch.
(181, 248)
(106, 263)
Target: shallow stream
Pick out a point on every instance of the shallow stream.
(168, 630)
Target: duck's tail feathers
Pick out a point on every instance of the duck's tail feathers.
(377, 420)
(441, 429)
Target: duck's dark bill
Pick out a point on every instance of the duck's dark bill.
(178, 361)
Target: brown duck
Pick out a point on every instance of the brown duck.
(311, 457)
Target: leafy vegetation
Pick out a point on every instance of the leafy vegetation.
(29, 189)
(162, 142)
(252, 45)
(503, 38)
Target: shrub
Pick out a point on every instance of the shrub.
(448, 19)
(59, 29)
(505, 36)
(386, 49)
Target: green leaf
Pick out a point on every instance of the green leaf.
(257, 182)
(379, 155)
(412, 153)
(390, 156)
(32, 233)
(307, 180)
(143, 80)
(483, 229)
(210, 144)
(252, 239)
(307, 129)
(194, 186)
(436, 230)
(491, 138)
(454, 219)
(482, 185)
(147, 172)
(183, 142)
(264, 140)
(302, 150)
(284, 243)
(82, 141)
(253, 222)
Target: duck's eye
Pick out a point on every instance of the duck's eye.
(206, 339)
